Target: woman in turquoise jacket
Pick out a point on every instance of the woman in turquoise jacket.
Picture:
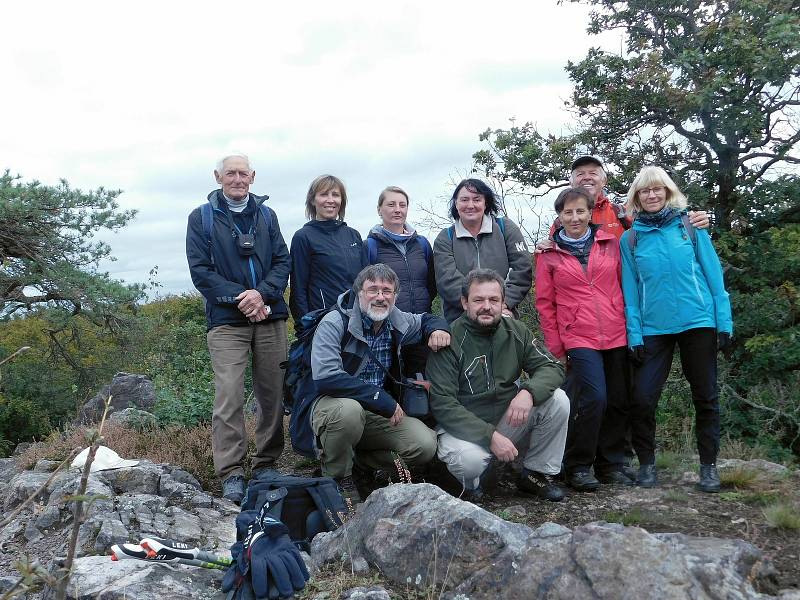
(674, 293)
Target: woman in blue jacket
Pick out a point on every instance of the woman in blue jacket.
(326, 254)
(674, 293)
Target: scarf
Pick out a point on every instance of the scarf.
(658, 219)
(578, 247)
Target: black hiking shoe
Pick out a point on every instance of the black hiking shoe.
(540, 485)
(647, 476)
(709, 479)
(614, 477)
(233, 489)
(582, 480)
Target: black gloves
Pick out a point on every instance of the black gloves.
(723, 341)
(636, 355)
(267, 565)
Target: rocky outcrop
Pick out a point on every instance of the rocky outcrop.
(128, 504)
(126, 390)
(418, 535)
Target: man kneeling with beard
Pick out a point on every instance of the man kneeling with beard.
(486, 409)
(356, 422)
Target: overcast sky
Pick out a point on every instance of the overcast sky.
(146, 96)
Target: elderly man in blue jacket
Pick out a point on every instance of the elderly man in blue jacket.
(239, 262)
(348, 412)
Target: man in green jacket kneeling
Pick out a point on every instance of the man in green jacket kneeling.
(484, 405)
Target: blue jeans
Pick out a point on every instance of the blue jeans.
(699, 363)
(597, 386)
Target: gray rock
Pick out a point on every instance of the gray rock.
(49, 517)
(182, 476)
(516, 510)
(98, 576)
(183, 493)
(374, 592)
(143, 478)
(134, 418)
(22, 486)
(112, 531)
(418, 535)
(46, 466)
(759, 464)
(126, 390)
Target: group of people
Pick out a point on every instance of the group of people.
(611, 311)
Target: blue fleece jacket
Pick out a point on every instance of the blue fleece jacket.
(671, 285)
(326, 256)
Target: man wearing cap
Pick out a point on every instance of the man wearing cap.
(587, 172)
(239, 262)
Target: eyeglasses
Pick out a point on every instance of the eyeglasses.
(657, 190)
(374, 292)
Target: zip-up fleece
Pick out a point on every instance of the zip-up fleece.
(326, 257)
(339, 354)
(220, 273)
(417, 281)
(507, 255)
(670, 285)
(474, 379)
(577, 308)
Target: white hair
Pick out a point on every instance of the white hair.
(221, 161)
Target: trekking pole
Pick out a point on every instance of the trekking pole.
(171, 548)
(136, 552)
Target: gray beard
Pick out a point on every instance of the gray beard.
(376, 315)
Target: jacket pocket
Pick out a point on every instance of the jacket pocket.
(477, 375)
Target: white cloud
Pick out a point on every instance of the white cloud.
(146, 96)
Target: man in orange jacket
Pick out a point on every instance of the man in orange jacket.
(587, 172)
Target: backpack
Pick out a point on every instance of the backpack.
(207, 217)
(687, 225)
(501, 223)
(298, 363)
(306, 505)
(372, 248)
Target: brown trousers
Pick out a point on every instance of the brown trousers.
(230, 348)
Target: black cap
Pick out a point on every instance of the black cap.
(586, 160)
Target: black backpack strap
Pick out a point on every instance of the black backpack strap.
(271, 502)
(329, 502)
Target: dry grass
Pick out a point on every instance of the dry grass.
(783, 516)
(188, 448)
(739, 478)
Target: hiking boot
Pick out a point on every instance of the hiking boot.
(364, 481)
(540, 485)
(582, 480)
(263, 471)
(233, 489)
(475, 496)
(709, 479)
(647, 476)
(348, 489)
(614, 477)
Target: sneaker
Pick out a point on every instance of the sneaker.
(582, 480)
(348, 489)
(647, 476)
(709, 479)
(540, 485)
(233, 489)
(614, 477)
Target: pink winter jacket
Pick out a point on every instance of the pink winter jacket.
(577, 308)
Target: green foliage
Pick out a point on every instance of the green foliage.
(21, 420)
(48, 251)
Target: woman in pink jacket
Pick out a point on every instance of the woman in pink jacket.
(581, 311)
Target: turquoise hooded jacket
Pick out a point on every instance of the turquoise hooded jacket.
(671, 285)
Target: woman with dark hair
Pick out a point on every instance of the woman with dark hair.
(478, 239)
(579, 300)
(674, 294)
(326, 254)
